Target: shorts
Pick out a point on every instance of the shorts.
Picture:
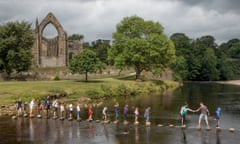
(203, 116)
(78, 113)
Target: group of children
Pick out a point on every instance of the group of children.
(47, 104)
(60, 107)
(204, 113)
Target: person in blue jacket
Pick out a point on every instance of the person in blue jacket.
(218, 115)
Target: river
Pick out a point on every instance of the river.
(164, 110)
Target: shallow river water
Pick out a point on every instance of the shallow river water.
(164, 110)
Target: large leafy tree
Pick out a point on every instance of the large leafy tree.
(182, 45)
(85, 62)
(16, 40)
(141, 44)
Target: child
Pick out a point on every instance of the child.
(116, 109)
(78, 112)
(183, 113)
(25, 108)
(55, 107)
(70, 110)
(147, 114)
(218, 114)
(62, 109)
(39, 107)
(90, 113)
(31, 105)
(47, 105)
(105, 113)
(136, 113)
(125, 111)
(19, 107)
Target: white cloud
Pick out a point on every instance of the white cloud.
(97, 19)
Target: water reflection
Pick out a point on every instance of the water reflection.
(136, 135)
(218, 141)
(31, 130)
(148, 135)
(117, 133)
(18, 129)
(184, 137)
(90, 130)
(105, 131)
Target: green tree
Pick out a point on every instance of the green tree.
(86, 62)
(76, 37)
(141, 44)
(182, 45)
(16, 41)
(101, 47)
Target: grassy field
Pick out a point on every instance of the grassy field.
(10, 91)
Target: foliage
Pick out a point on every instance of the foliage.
(16, 41)
(101, 47)
(85, 62)
(141, 44)
(76, 37)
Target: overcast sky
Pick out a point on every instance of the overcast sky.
(97, 19)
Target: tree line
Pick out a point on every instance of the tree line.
(137, 43)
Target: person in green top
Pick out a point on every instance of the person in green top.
(183, 112)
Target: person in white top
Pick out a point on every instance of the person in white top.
(62, 109)
(55, 107)
(78, 112)
(105, 113)
(70, 106)
(31, 105)
(136, 113)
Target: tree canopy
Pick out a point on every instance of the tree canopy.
(141, 44)
(85, 62)
(16, 40)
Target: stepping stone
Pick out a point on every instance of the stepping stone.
(232, 129)
(136, 123)
(218, 129)
(198, 128)
(183, 126)
(125, 122)
(115, 122)
(148, 123)
(79, 119)
(208, 129)
(171, 125)
(106, 121)
(25, 115)
(14, 117)
(62, 118)
(39, 116)
(160, 125)
(97, 121)
(70, 119)
(55, 117)
(31, 116)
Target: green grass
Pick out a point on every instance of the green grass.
(10, 91)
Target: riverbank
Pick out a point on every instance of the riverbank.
(231, 82)
(70, 91)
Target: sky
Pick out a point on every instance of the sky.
(97, 19)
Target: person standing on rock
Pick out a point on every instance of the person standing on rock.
(55, 108)
(90, 113)
(125, 112)
(183, 113)
(204, 114)
(47, 105)
(19, 107)
(218, 115)
(116, 109)
(104, 112)
(147, 114)
(31, 105)
(78, 111)
(136, 113)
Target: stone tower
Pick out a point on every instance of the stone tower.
(50, 52)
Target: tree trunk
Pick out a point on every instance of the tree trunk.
(86, 76)
(138, 72)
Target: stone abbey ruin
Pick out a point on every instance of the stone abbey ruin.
(53, 52)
